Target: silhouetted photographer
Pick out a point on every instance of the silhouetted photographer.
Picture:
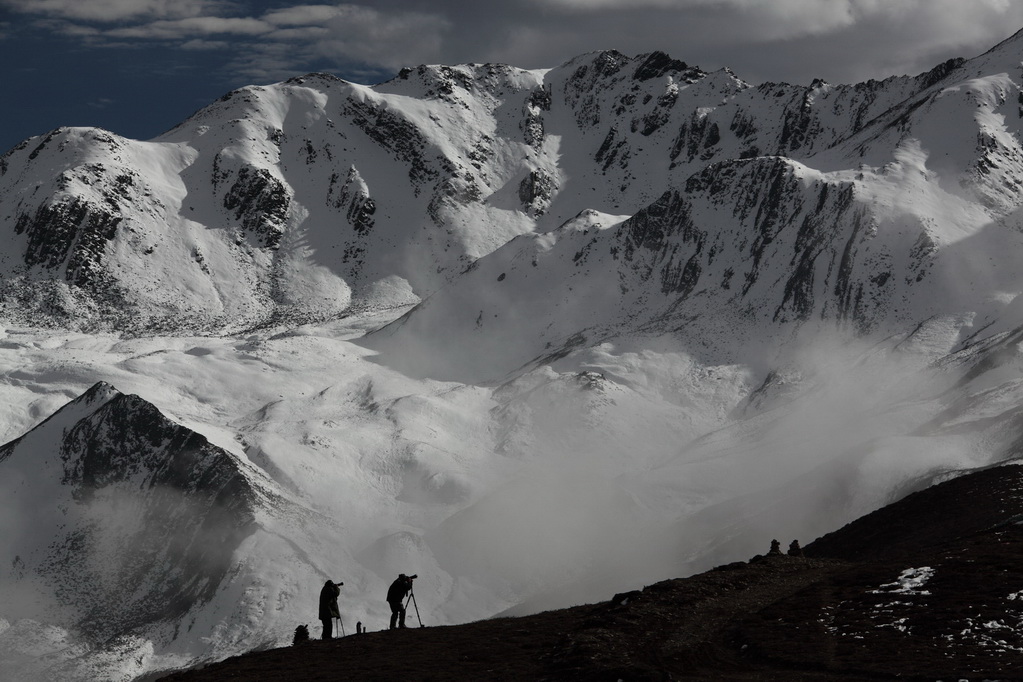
(328, 607)
(396, 599)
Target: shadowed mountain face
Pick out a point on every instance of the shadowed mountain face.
(119, 521)
(926, 588)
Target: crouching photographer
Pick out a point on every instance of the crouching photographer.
(396, 594)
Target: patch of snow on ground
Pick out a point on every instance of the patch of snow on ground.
(909, 582)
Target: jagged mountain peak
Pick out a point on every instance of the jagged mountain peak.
(438, 81)
(643, 67)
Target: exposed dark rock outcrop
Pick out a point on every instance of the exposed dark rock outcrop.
(71, 232)
(260, 203)
(536, 191)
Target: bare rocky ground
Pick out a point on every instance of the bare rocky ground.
(929, 588)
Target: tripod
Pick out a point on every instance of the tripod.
(412, 598)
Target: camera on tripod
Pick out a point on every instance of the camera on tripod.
(411, 598)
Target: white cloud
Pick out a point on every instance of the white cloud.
(269, 61)
(384, 39)
(75, 30)
(193, 26)
(115, 10)
(766, 20)
(341, 35)
(303, 15)
(301, 33)
(198, 44)
(290, 38)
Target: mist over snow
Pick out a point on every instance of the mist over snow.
(539, 336)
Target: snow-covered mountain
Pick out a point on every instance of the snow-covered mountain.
(534, 335)
(310, 197)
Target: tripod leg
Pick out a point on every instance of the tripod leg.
(415, 604)
(342, 624)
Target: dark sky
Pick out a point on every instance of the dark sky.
(139, 67)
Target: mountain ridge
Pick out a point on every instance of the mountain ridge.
(424, 119)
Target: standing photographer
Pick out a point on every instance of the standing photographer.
(396, 598)
(328, 607)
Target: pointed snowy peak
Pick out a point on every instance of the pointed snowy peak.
(79, 408)
(658, 64)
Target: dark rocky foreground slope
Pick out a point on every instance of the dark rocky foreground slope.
(928, 588)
